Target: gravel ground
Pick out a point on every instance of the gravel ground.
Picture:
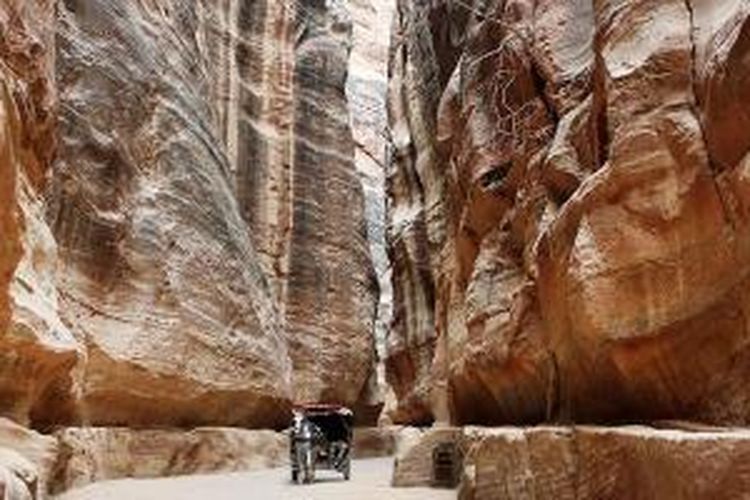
(370, 480)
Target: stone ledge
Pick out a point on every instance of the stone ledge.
(94, 454)
(605, 463)
(691, 462)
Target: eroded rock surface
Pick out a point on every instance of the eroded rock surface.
(37, 351)
(208, 246)
(331, 286)
(567, 222)
(373, 442)
(27, 462)
(413, 463)
(366, 90)
(160, 280)
(89, 455)
(17, 477)
(591, 462)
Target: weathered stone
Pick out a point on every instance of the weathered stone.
(88, 455)
(417, 198)
(331, 283)
(27, 460)
(371, 442)
(413, 463)
(159, 280)
(594, 462)
(721, 40)
(18, 479)
(206, 208)
(366, 89)
(37, 352)
(567, 218)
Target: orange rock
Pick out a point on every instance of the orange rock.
(581, 213)
(37, 351)
(207, 243)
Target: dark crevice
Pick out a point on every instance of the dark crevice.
(493, 179)
(693, 56)
(695, 102)
(695, 105)
(600, 121)
(553, 388)
(445, 44)
(540, 87)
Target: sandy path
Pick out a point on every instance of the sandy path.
(370, 480)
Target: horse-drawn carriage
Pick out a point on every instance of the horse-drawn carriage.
(320, 437)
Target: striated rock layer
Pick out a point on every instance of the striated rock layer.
(180, 178)
(567, 222)
(37, 352)
(366, 91)
(331, 287)
(160, 280)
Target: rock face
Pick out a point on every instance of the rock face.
(88, 455)
(586, 462)
(17, 477)
(331, 288)
(374, 442)
(366, 90)
(568, 221)
(413, 465)
(590, 462)
(37, 351)
(181, 177)
(27, 462)
(160, 280)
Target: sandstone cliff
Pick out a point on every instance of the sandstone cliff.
(37, 352)
(184, 240)
(568, 222)
(366, 90)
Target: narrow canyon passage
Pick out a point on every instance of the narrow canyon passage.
(494, 230)
(370, 479)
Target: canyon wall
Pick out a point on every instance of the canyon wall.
(366, 90)
(160, 280)
(37, 351)
(185, 241)
(568, 210)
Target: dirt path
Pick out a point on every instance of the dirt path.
(370, 480)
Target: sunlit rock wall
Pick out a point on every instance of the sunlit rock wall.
(568, 210)
(160, 279)
(184, 239)
(366, 90)
(37, 352)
